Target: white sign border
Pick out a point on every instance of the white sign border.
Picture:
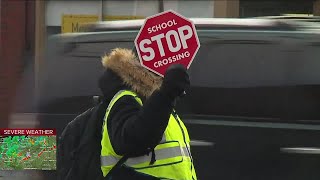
(164, 12)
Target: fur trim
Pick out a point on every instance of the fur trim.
(125, 63)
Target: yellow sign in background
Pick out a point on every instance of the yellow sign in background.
(72, 23)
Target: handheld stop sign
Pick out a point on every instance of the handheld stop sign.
(164, 39)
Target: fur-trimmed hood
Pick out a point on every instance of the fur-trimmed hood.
(126, 65)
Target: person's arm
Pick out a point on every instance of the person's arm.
(135, 129)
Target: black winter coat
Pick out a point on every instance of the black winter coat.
(134, 130)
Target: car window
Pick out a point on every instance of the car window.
(238, 63)
(261, 77)
(71, 71)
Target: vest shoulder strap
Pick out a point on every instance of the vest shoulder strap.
(124, 93)
(117, 96)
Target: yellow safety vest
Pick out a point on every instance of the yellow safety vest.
(172, 154)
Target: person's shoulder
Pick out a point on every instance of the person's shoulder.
(127, 100)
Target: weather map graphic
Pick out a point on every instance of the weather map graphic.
(20, 152)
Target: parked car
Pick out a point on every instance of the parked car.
(253, 108)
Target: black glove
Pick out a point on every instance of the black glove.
(176, 81)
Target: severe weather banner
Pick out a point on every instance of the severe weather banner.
(27, 149)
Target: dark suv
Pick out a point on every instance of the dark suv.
(253, 108)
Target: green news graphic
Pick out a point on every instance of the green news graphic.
(28, 152)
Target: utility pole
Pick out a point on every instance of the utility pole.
(160, 6)
(40, 39)
(316, 8)
(101, 18)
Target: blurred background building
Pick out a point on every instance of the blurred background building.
(17, 46)
(25, 26)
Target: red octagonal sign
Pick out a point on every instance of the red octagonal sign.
(165, 39)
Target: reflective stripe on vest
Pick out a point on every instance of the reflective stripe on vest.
(159, 154)
(171, 155)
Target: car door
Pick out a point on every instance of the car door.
(252, 111)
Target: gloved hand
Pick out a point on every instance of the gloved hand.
(176, 81)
